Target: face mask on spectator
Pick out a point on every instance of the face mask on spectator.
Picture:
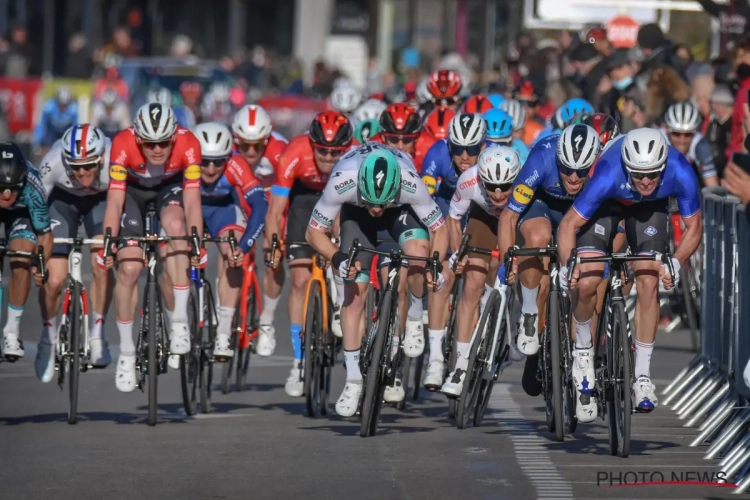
(623, 84)
(743, 71)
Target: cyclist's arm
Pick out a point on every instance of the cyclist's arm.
(460, 204)
(256, 200)
(41, 127)
(282, 185)
(687, 192)
(36, 202)
(506, 230)
(431, 166)
(704, 157)
(116, 194)
(191, 197)
(46, 173)
(521, 197)
(429, 213)
(326, 210)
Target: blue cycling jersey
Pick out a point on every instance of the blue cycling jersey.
(54, 122)
(518, 146)
(612, 182)
(219, 193)
(438, 163)
(540, 177)
(184, 117)
(34, 198)
(547, 131)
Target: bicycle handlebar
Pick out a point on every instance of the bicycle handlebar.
(79, 241)
(35, 257)
(396, 256)
(109, 240)
(618, 259)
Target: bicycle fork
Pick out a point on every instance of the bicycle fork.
(74, 272)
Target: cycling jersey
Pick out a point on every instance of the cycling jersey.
(547, 131)
(540, 177)
(184, 116)
(343, 189)
(297, 164)
(531, 131)
(612, 182)
(471, 189)
(438, 164)
(113, 121)
(266, 169)
(238, 180)
(517, 145)
(699, 154)
(54, 122)
(128, 165)
(34, 199)
(54, 172)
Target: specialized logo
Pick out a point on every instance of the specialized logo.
(117, 173)
(54, 223)
(465, 120)
(379, 179)
(7, 155)
(155, 110)
(577, 141)
(523, 194)
(650, 230)
(193, 172)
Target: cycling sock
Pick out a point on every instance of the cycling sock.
(529, 300)
(415, 308)
(462, 353)
(49, 331)
(226, 314)
(181, 296)
(169, 315)
(97, 326)
(125, 328)
(296, 330)
(338, 281)
(351, 360)
(436, 344)
(643, 353)
(14, 319)
(394, 346)
(269, 309)
(583, 334)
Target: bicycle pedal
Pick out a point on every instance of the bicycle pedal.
(11, 359)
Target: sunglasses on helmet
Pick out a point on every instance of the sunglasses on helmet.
(457, 150)
(402, 138)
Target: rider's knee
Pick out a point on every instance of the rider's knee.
(174, 226)
(537, 239)
(587, 287)
(55, 281)
(300, 280)
(648, 286)
(98, 273)
(129, 271)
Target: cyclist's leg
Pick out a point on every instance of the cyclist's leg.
(273, 282)
(20, 238)
(437, 302)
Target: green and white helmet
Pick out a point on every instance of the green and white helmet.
(379, 178)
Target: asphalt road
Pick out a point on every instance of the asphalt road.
(258, 444)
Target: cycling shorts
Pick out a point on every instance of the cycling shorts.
(17, 222)
(482, 228)
(221, 218)
(67, 211)
(551, 211)
(132, 222)
(302, 201)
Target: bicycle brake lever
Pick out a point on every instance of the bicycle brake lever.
(40, 263)
(107, 243)
(196, 242)
(233, 245)
(353, 251)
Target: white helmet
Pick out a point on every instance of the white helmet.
(498, 165)
(423, 95)
(110, 98)
(682, 117)
(578, 146)
(345, 99)
(644, 150)
(83, 142)
(63, 95)
(467, 129)
(341, 81)
(219, 91)
(155, 122)
(370, 110)
(516, 111)
(251, 123)
(163, 96)
(215, 139)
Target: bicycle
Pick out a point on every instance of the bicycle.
(318, 341)
(196, 367)
(449, 351)
(379, 369)
(152, 349)
(614, 348)
(490, 345)
(688, 289)
(72, 352)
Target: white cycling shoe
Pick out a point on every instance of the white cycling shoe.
(347, 404)
(394, 393)
(336, 322)
(527, 341)
(174, 361)
(125, 378)
(99, 353)
(179, 339)
(223, 346)
(583, 369)
(644, 393)
(433, 379)
(266, 344)
(44, 365)
(294, 386)
(12, 347)
(586, 410)
(454, 384)
(414, 338)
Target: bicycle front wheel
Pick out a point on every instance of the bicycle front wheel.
(623, 358)
(243, 355)
(375, 383)
(74, 352)
(190, 363)
(502, 351)
(312, 353)
(449, 346)
(555, 360)
(152, 355)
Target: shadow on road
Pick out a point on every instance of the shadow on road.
(117, 418)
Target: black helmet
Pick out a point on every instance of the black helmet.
(13, 166)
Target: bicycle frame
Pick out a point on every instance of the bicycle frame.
(249, 280)
(320, 275)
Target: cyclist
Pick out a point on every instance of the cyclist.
(75, 184)
(564, 116)
(24, 213)
(216, 106)
(371, 109)
(436, 124)
(483, 192)
(110, 115)
(58, 114)
(554, 174)
(258, 143)
(400, 129)
(604, 125)
(444, 87)
(185, 118)
(500, 130)
(385, 195)
(518, 114)
(496, 99)
(477, 104)
(345, 100)
(526, 94)
(153, 161)
(304, 169)
(634, 180)
(226, 182)
(682, 121)
(191, 93)
(366, 129)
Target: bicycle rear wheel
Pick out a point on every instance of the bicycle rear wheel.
(375, 379)
(312, 353)
(623, 353)
(568, 385)
(74, 351)
(243, 361)
(190, 363)
(502, 351)
(151, 356)
(208, 339)
(449, 346)
(405, 373)
(691, 302)
(556, 360)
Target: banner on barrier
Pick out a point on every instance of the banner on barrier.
(292, 115)
(19, 101)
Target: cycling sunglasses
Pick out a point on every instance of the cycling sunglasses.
(682, 134)
(77, 167)
(12, 188)
(447, 101)
(335, 152)
(645, 175)
(245, 146)
(402, 138)
(161, 144)
(491, 188)
(217, 162)
(474, 150)
(568, 172)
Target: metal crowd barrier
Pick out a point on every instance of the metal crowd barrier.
(710, 392)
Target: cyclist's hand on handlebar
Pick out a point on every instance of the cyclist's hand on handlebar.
(666, 278)
(39, 278)
(434, 284)
(355, 268)
(234, 259)
(277, 256)
(201, 260)
(102, 262)
(459, 265)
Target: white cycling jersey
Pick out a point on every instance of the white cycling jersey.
(471, 188)
(54, 172)
(691, 156)
(110, 123)
(342, 188)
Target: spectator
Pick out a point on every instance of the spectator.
(292, 81)
(584, 58)
(597, 36)
(701, 88)
(621, 70)
(719, 128)
(733, 20)
(78, 63)
(682, 57)
(736, 180)
(19, 61)
(656, 50)
(182, 46)
(742, 70)
(122, 44)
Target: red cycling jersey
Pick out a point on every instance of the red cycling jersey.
(424, 141)
(241, 177)
(127, 163)
(297, 163)
(266, 171)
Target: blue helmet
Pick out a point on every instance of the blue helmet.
(571, 109)
(499, 124)
(496, 99)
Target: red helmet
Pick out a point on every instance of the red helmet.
(400, 118)
(477, 104)
(332, 129)
(525, 91)
(604, 125)
(444, 84)
(191, 90)
(437, 122)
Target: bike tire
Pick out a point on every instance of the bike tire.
(405, 374)
(556, 360)
(312, 350)
(502, 351)
(153, 368)
(208, 339)
(375, 385)
(686, 284)
(450, 340)
(74, 351)
(246, 353)
(226, 373)
(568, 385)
(418, 370)
(623, 371)
(190, 363)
